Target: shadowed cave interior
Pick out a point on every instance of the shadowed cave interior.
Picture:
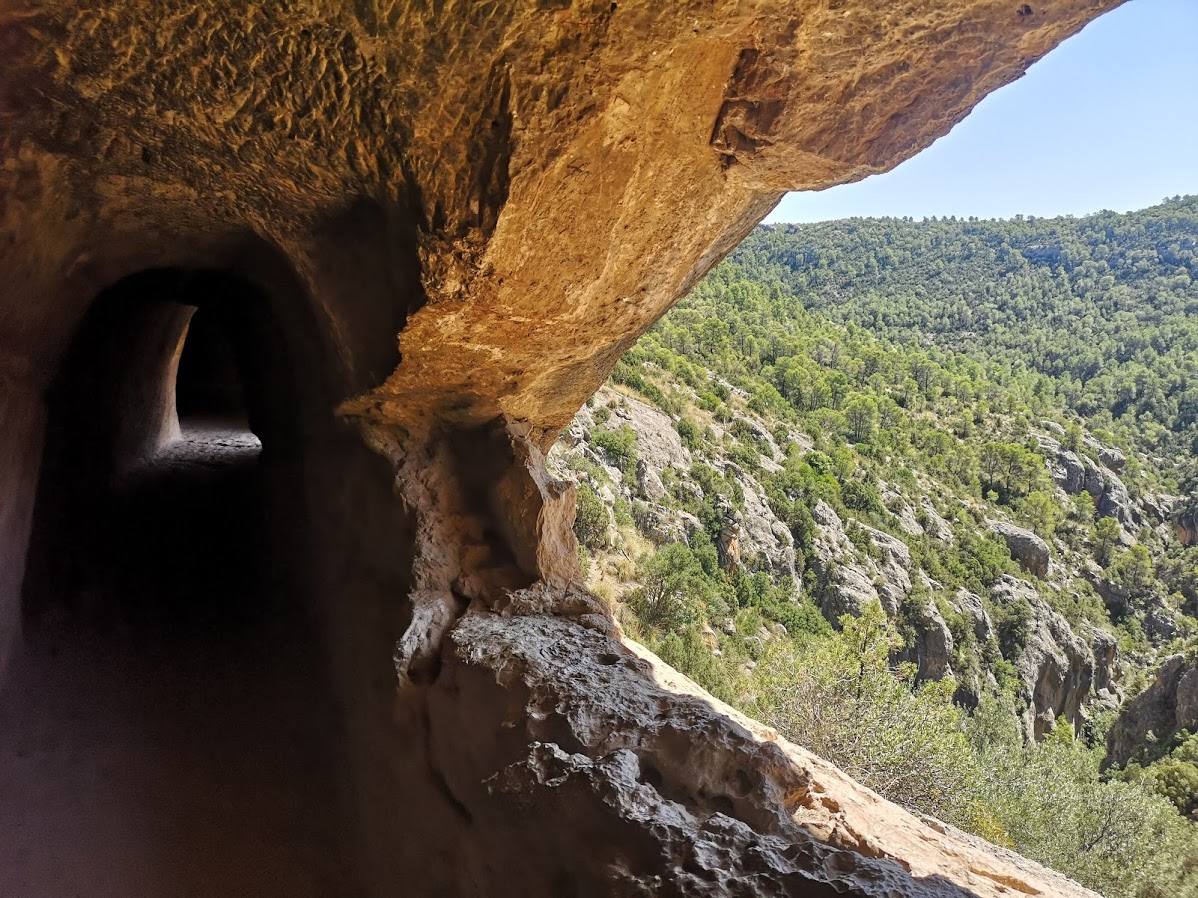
(170, 727)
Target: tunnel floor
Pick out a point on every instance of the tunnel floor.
(173, 733)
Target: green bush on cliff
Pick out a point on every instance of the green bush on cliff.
(841, 697)
(590, 518)
(619, 446)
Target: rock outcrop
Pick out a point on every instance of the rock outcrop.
(972, 607)
(1147, 603)
(1026, 547)
(762, 535)
(450, 221)
(632, 760)
(1185, 523)
(750, 532)
(849, 577)
(1062, 673)
(657, 442)
(934, 524)
(934, 645)
(1167, 706)
(1095, 470)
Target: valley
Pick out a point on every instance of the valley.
(922, 496)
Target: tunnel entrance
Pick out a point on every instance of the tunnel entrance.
(170, 727)
(208, 386)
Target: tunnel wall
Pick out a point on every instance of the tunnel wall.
(22, 421)
(341, 540)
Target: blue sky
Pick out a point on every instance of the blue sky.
(1108, 120)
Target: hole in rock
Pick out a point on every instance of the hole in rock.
(208, 389)
(723, 805)
(744, 782)
(651, 775)
(169, 727)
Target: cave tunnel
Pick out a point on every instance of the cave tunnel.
(170, 726)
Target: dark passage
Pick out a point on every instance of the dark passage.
(169, 728)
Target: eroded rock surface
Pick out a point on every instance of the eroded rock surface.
(1095, 470)
(850, 577)
(672, 792)
(1026, 547)
(1062, 672)
(751, 534)
(1185, 524)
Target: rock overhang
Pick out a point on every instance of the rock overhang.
(547, 177)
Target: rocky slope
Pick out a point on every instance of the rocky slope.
(1165, 709)
(1064, 669)
(647, 764)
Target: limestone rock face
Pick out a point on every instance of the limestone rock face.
(657, 442)
(751, 533)
(762, 535)
(666, 525)
(935, 525)
(1099, 476)
(897, 504)
(632, 760)
(1185, 524)
(934, 646)
(849, 578)
(1062, 672)
(970, 605)
(1168, 705)
(1026, 547)
(454, 219)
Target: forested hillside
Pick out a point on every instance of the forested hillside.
(1103, 308)
(920, 494)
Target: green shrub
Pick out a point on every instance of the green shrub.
(688, 432)
(839, 698)
(1013, 625)
(675, 591)
(619, 446)
(590, 518)
(861, 495)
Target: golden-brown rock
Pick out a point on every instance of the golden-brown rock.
(540, 180)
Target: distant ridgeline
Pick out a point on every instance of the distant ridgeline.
(1104, 307)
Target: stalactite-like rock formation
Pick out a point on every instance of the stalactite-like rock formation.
(434, 228)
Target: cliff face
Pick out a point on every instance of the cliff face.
(1167, 707)
(449, 220)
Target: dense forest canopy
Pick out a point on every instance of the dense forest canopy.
(1097, 314)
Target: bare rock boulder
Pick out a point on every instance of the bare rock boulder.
(1056, 666)
(848, 578)
(1026, 547)
(974, 610)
